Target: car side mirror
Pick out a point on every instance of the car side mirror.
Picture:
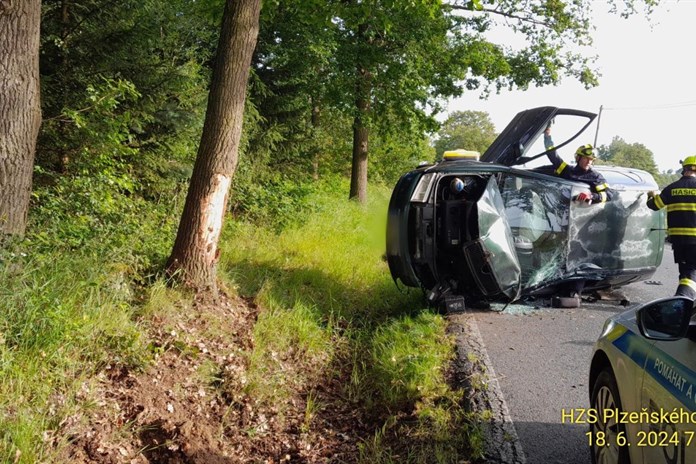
(666, 319)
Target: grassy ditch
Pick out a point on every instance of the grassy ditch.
(327, 297)
(328, 313)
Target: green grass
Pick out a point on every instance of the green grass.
(60, 319)
(328, 309)
(330, 306)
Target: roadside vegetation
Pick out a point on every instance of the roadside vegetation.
(327, 313)
(310, 353)
(327, 292)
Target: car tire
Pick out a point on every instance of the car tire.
(605, 395)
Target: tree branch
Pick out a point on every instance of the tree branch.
(506, 14)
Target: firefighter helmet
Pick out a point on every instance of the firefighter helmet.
(586, 150)
(688, 164)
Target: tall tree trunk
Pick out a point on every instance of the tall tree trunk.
(195, 253)
(315, 151)
(20, 109)
(358, 176)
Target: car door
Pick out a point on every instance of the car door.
(520, 143)
(668, 435)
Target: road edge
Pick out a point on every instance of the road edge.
(476, 375)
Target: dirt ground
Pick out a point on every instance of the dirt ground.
(170, 413)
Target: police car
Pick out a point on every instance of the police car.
(643, 386)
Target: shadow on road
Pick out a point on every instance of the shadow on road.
(546, 443)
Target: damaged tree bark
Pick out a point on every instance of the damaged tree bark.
(195, 253)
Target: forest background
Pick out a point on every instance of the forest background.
(124, 89)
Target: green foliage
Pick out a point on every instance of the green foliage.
(72, 294)
(469, 130)
(665, 178)
(270, 198)
(86, 213)
(124, 86)
(293, 348)
(293, 130)
(401, 59)
(406, 58)
(342, 241)
(393, 155)
(100, 135)
(636, 155)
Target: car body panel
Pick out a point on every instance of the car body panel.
(613, 235)
(652, 377)
(542, 241)
(397, 223)
(627, 353)
(670, 385)
(497, 245)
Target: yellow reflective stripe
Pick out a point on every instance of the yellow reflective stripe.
(682, 231)
(601, 187)
(682, 207)
(658, 202)
(616, 332)
(561, 167)
(688, 283)
(602, 197)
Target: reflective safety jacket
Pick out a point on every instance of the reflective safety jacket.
(598, 185)
(680, 199)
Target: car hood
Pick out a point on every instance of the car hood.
(628, 317)
(511, 146)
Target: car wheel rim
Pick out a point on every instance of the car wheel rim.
(608, 454)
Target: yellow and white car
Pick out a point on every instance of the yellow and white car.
(643, 386)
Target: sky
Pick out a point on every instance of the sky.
(647, 88)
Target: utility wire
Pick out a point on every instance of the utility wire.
(665, 106)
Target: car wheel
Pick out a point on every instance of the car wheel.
(605, 395)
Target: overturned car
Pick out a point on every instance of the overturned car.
(505, 227)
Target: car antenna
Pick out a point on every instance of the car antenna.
(599, 118)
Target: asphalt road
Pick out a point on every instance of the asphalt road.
(541, 356)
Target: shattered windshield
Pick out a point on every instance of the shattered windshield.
(619, 234)
(538, 220)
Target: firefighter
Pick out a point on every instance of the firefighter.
(680, 199)
(582, 171)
